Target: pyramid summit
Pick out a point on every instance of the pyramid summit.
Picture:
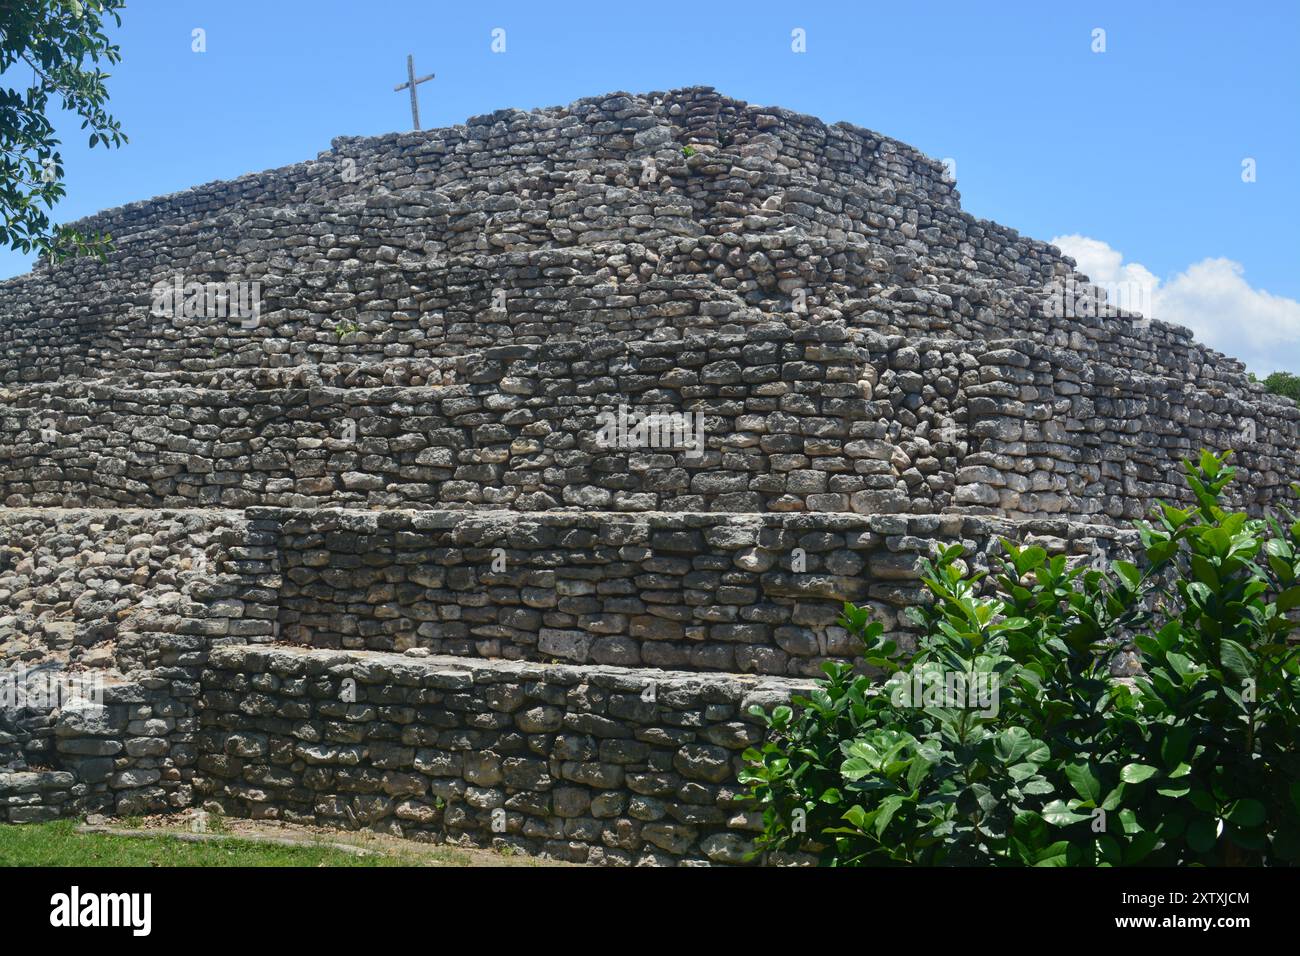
(563, 435)
(634, 222)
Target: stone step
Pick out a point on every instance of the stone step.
(748, 592)
(580, 763)
(756, 593)
(777, 419)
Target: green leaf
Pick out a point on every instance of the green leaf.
(1236, 658)
(1029, 559)
(1201, 834)
(1136, 773)
(1038, 752)
(1246, 812)
(1183, 666)
(1083, 778)
(1054, 855)
(1059, 814)
(1012, 744)
(1128, 572)
(1108, 850)
(1140, 847)
(857, 816)
(888, 807)
(1174, 746)
(1022, 771)
(855, 768)
(1128, 822)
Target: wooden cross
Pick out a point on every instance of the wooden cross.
(410, 83)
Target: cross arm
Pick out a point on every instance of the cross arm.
(401, 86)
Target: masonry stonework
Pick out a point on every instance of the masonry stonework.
(308, 474)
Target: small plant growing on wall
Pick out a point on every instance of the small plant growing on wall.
(1004, 740)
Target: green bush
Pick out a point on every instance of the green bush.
(1284, 383)
(1005, 740)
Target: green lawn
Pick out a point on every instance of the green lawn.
(58, 844)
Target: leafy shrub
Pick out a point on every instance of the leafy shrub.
(1285, 384)
(1023, 749)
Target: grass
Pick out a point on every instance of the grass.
(59, 844)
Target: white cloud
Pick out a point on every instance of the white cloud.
(1102, 264)
(1210, 297)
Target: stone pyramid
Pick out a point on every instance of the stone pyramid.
(472, 483)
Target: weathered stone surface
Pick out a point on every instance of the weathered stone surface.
(401, 462)
(606, 777)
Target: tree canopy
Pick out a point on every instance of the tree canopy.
(1284, 383)
(61, 44)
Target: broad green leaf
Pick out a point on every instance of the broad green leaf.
(1012, 744)
(857, 816)
(1140, 847)
(1054, 855)
(1128, 822)
(1174, 746)
(1236, 658)
(1136, 773)
(1201, 834)
(888, 807)
(1059, 814)
(1083, 778)
(1128, 572)
(1246, 812)
(1022, 771)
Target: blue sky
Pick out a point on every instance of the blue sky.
(1133, 156)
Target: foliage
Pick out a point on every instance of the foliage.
(1191, 761)
(1285, 384)
(61, 43)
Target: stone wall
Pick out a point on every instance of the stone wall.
(126, 589)
(519, 429)
(735, 594)
(228, 519)
(584, 218)
(570, 225)
(1055, 434)
(586, 764)
(118, 609)
(823, 419)
(139, 601)
(131, 753)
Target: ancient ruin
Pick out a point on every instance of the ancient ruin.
(472, 483)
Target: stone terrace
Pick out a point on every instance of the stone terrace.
(361, 558)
